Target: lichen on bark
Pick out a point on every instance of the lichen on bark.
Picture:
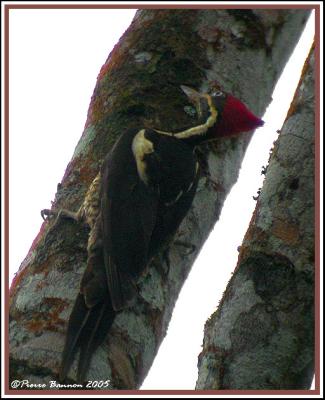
(262, 335)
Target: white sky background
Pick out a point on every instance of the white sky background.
(55, 57)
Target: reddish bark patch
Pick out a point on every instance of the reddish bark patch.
(50, 321)
(289, 234)
(295, 102)
(253, 234)
(16, 284)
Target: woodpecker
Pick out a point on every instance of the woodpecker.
(133, 207)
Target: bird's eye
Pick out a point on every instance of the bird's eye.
(218, 93)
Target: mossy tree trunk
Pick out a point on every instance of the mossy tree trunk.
(262, 335)
(243, 51)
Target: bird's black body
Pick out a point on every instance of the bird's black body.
(138, 216)
(144, 190)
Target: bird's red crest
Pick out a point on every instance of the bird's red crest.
(237, 118)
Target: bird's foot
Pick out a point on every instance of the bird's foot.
(205, 169)
(189, 246)
(162, 262)
(215, 185)
(47, 215)
(166, 259)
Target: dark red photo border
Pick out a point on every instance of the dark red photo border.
(14, 6)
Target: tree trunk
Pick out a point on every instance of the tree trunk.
(244, 51)
(262, 335)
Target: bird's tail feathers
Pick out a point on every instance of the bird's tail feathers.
(78, 319)
(87, 329)
(93, 334)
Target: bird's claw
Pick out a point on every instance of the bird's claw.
(160, 261)
(215, 185)
(47, 214)
(191, 248)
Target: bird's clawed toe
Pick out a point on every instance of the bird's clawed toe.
(47, 214)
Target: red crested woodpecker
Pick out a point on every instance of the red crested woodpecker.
(134, 206)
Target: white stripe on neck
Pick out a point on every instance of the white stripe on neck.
(196, 130)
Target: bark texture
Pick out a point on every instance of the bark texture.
(262, 335)
(243, 51)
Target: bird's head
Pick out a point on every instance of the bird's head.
(221, 115)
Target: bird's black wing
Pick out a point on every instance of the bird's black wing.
(128, 211)
(115, 259)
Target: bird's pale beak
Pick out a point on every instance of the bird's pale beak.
(194, 97)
